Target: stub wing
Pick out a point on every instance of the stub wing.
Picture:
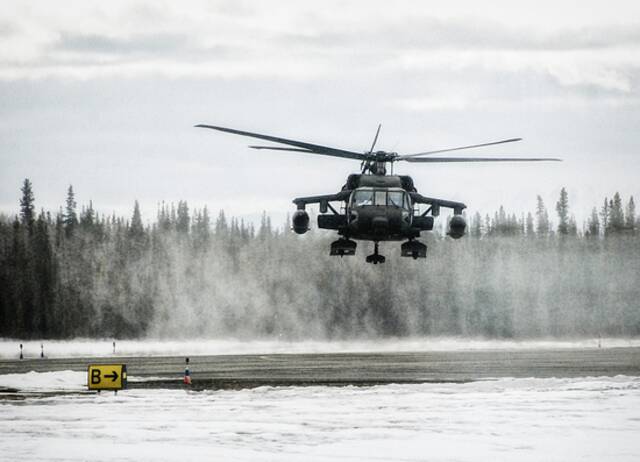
(341, 196)
(457, 207)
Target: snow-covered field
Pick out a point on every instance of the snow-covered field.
(9, 349)
(586, 419)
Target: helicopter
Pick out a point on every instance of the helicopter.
(377, 206)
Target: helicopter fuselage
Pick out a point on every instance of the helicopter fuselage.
(377, 208)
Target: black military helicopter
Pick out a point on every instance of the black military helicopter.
(376, 206)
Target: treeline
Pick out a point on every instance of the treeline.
(611, 219)
(78, 273)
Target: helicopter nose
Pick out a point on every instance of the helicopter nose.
(380, 225)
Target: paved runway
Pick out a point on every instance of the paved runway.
(240, 371)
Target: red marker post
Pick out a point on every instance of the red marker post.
(187, 374)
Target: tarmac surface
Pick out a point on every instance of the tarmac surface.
(359, 369)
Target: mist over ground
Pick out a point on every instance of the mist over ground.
(204, 346)
(499, 288)
(84, 275)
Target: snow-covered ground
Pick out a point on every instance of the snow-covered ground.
(45, 381)
(9, 349)
(586, 419)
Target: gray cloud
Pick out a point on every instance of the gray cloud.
(148, 13)
(261, 41)
(7, 29)
(147, 44)
(433, 33)
(233, 8)
(88, 50)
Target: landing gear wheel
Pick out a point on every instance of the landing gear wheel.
(375, 257)
(343, 248)
(414, 249)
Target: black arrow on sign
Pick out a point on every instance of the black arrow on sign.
(113, 376)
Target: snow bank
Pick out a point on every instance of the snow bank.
(9, 349)
(45, 381)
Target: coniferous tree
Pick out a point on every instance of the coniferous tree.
(562, 207)
(265, 227)
(616, 214)
(244, 231)
(70, 215)
(572, 227)
(221, 224)
(87, 217)
(19, 298)
(45, 275)
(529, 225)
(630, 215)
(172, 216)
(183, 220)
(59, 228)
(27, 205)
(502, 224)
(235, 227)
(605, 215)
(593, 225)
(514, 225)
(542, 218)
(136, 229)
(200, 227)
(495, 224)
(205, 225)
(164, 217)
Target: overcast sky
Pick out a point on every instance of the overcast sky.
(104, 96)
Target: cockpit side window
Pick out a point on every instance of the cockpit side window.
(407, 202)
(395, 198)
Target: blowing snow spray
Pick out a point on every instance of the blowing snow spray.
(187, 375)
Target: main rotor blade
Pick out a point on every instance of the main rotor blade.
(510, 140)
(479, 159)
(276, 148)
(373, 145)
(314, 148)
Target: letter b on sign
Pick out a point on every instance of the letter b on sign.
(95, 376)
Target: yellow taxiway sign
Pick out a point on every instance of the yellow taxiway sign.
(107, 376)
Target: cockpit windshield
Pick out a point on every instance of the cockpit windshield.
(362, 197)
